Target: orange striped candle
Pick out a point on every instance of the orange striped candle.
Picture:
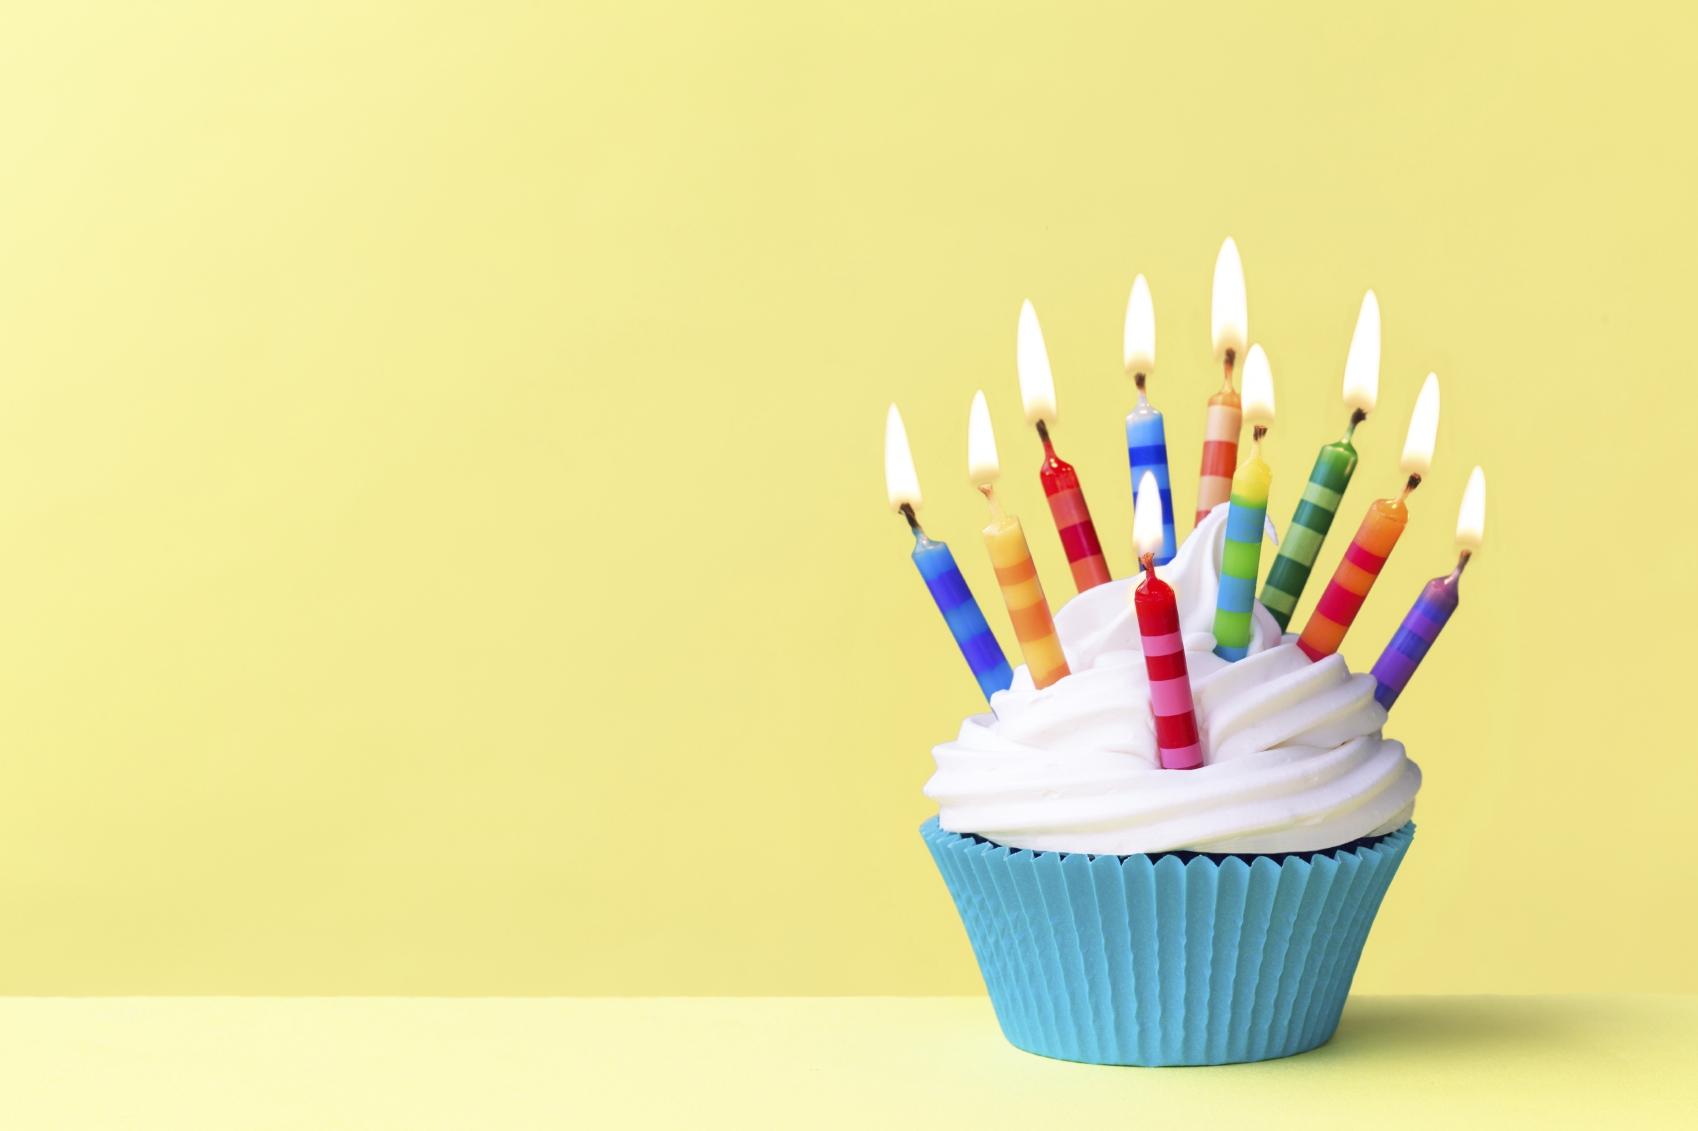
(1374, 540)
(1016, 573)
(1228, 327)
(1355, 575)
(1024, 595)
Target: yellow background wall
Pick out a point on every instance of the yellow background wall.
(442, 536)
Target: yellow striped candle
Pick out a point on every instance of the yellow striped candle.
(1011, 557)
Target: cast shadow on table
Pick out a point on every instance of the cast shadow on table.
(1395, 1026)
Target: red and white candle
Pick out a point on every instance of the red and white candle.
(1171, 705)
(1228, 325)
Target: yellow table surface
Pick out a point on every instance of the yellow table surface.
(935, 1063)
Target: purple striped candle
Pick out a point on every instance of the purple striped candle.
(1417, 633)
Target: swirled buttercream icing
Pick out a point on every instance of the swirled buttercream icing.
(1293, 757)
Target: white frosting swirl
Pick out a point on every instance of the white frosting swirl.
(1293, 759)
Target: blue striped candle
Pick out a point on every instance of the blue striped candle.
(961, 612)
(1146, 450)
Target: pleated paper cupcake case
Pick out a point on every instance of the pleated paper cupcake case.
(1184, 959)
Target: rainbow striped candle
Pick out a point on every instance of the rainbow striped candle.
(1374, 540)
(1171, 707)
(1242, 556)
(1333, 468)
(1011, 557)
(1225, 418)
(1061, 483)
(1146, 436)
(938, 569)
(1438, 600)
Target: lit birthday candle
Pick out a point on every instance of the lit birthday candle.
(1333, 469)
(937, 567)
(1242, 556)
(1146, 436)
(1228, 324)
(1438, 600)
(1164, 646)
(1012, 558)
(1061, 482)
(1375, 538)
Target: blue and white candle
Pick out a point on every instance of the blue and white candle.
(1146, 437)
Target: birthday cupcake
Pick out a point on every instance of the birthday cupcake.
(1170, 835)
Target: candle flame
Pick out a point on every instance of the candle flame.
(900, 481)
(1423, 429)
(982, 466)
(1147, 516)
(1140, 329)
(1471, 517)
(1037, 384)
(1229, 323)
(1362, 366)
(1258, 388)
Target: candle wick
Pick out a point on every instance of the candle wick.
(1231, 355)
(913, 522)
(1138, 379)
(990, 498)
(1043, 434)
(1414, 482)
(1148, 561)
(1356, 418)
(1257, 433)
(1462, 560)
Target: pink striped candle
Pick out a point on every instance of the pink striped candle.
(1177, 743)
(1170, 680)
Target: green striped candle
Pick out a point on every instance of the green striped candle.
(1315, 510)
(1333, 468)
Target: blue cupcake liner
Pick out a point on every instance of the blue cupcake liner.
(1184, 958)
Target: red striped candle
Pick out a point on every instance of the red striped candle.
(1061, 482)
(1072, 518)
